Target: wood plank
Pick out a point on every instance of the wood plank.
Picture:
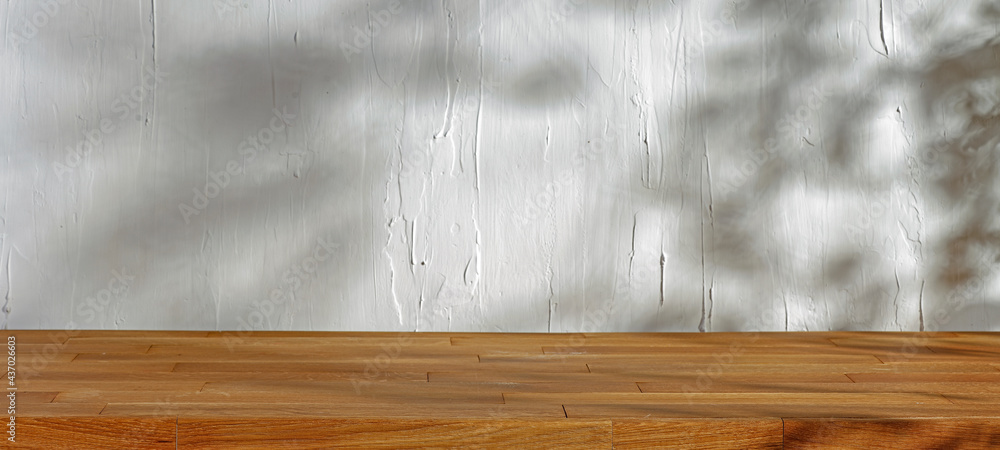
(895, 338)
(967, 397)
(53, 337)
(933, 367)
(689, 375)
(377, 433)
(168, 339)
(965, 349)
(26, 396)
(732, 411)
(389, 343)
(553, 367)
(762, 359)
(886, 335)
(940, 358)
(625, 351)
(104, 367)
(27, 360)
(702, 434)
(554, 386)
(71, 346)
(708, 378)
(59, 409)
(503, 349)
(925, 377)
(466, 376)
(514, 338)
(396, 388)
(893, 434)
(735, 398)
(349, 348)
(96, 432)
(721, 340)
(957, 360)
(356, 358)
(656, 368)
(108, 385)
(522, 344)
(167, 376)
(133, 334)
(417, 387)
(521, 377)
(367, 396)
(771, 386)
(449, 410)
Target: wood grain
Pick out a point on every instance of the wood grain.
(400, 390)
(893, 434)
(441, 410)
(95, 432)
(701, 434)
(394, 434)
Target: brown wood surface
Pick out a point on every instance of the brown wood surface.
(703, 434)
(374, 433)
(893, 434)
(95, 432)
(202, 389)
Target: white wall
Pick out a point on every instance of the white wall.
(554, 165)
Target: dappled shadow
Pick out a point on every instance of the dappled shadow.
(517, 166)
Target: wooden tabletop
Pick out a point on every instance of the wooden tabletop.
(199, 389)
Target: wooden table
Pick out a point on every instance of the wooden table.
(198, 389)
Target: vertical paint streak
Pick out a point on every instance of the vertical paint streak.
(705, 290)
(881, 25)
(920, 304)
(478, 290)
(152, 20)
(663, 277)
(450, 71)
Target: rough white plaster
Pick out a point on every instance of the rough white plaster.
(501, 165)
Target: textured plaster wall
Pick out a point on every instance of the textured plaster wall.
(552, 165)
